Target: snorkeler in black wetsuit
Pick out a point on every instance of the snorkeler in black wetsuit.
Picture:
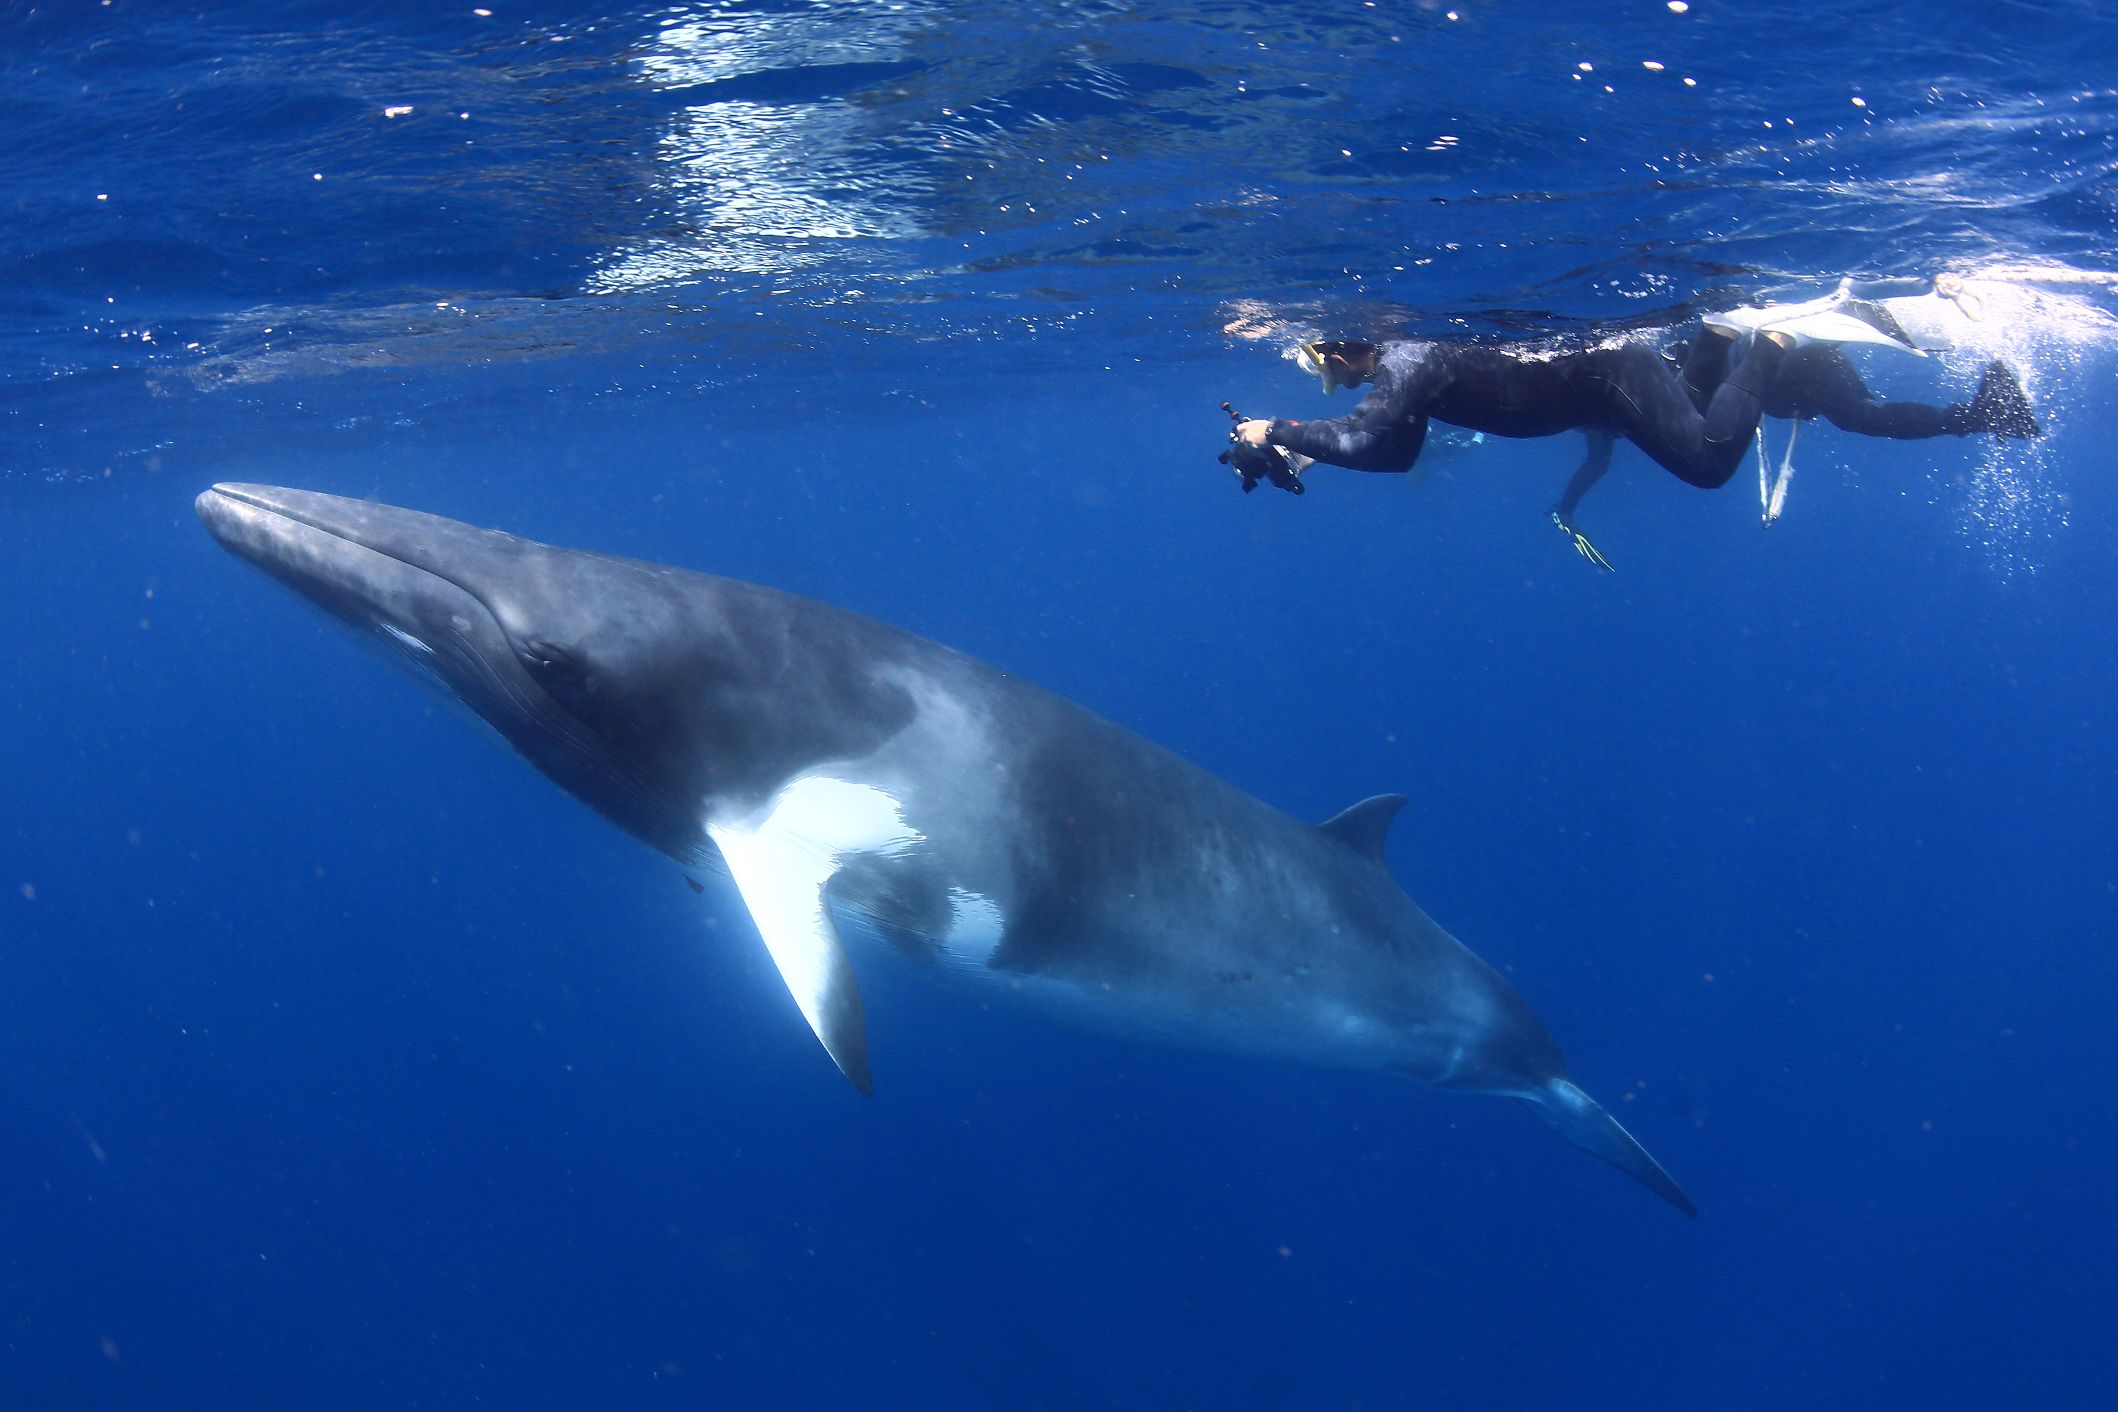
(1521, 390)
(1818, 380)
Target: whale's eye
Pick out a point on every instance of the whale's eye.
(558, 669)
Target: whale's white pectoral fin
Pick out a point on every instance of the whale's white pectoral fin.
(785, 894)
(781, 861)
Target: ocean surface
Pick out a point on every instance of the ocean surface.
(346, 1063)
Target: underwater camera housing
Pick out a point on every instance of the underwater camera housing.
(1256, 463)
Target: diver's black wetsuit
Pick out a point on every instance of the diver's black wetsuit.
(1530, 390)
(1818, 380)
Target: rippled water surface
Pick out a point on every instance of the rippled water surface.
(346, 1063)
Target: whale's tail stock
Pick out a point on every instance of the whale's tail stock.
(1584, 1122)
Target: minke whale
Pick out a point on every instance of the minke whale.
(862, 784)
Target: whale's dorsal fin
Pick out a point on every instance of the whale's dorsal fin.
(1364, 827)
(781, 859)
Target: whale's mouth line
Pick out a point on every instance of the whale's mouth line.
(465, 656)
(241, 496)
(257, 505)
(276, 540)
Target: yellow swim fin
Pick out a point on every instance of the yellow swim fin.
(1583, 546)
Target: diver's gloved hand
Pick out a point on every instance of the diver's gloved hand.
(1582, 546)
(1255, 463)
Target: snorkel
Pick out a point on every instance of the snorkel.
(1312, 357)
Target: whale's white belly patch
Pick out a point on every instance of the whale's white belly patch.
(974, 928)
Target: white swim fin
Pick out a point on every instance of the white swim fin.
(1831, 319)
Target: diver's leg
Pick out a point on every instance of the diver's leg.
(1649, 404)
(1825, 384)
(1595, 460)
(1898, 421)
(1706, 364)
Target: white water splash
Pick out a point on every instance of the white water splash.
(2046, 323)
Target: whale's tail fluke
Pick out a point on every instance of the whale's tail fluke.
(1581, 1120)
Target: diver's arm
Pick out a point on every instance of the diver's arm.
(1384, 433)
(1391, 447)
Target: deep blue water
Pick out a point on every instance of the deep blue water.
(344, 1062)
